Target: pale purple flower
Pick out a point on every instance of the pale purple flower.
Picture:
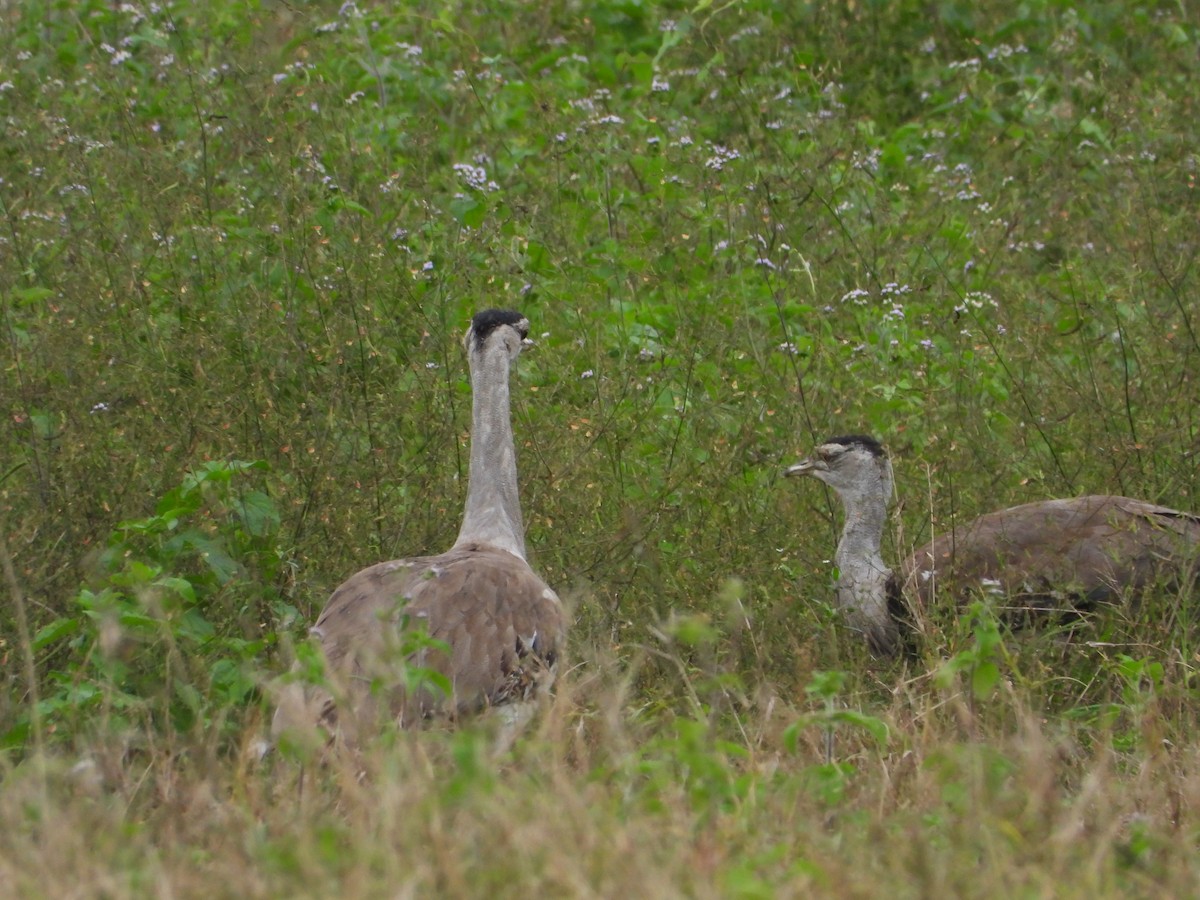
(721, 156)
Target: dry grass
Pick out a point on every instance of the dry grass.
(601, 801)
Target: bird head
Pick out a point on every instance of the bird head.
(504, 328)
(853, 465)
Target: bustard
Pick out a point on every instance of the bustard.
(1090, 549)
(504, 627)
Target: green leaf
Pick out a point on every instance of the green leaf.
(537, 258)
(31, 295)
(984, 679)
(55, 631)
(193, 626)
(230, 680)
(258, 513)
(16, 737)
(180, 586)
(826, 685)
(343, 202)
(189, 695)
(875, 727)
(468, 211)
(213, 552)
(1094, 131)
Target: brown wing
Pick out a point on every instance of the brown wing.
(1089, 547)
(504, 626)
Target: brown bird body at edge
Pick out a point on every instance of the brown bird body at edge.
(1053, 554)
(498, 630)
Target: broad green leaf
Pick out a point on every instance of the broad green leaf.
(55, 631)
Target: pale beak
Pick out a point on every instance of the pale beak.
(804, 467)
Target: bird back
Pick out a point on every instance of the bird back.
(1091, 548)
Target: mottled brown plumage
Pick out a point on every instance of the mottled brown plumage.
(1084, 549)
(1054, 554)
(505, 629)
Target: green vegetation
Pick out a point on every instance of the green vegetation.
(239, 245)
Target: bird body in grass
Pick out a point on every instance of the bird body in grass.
(1048, 555)
(496, 631)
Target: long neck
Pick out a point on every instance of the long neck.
(862, 534)
(863, 576)
(493, 513)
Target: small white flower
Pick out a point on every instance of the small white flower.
(721, 156)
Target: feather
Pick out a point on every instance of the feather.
(452, 634)
(1081, 550)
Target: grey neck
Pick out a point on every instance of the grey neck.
(863, 576)
(493, 512)
(862, 535)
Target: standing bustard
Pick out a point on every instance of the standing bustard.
(1090, 549)
(505, 628)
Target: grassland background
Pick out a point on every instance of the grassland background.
(239, 244)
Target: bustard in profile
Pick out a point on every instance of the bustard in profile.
(1089, 549)
(504, 627)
